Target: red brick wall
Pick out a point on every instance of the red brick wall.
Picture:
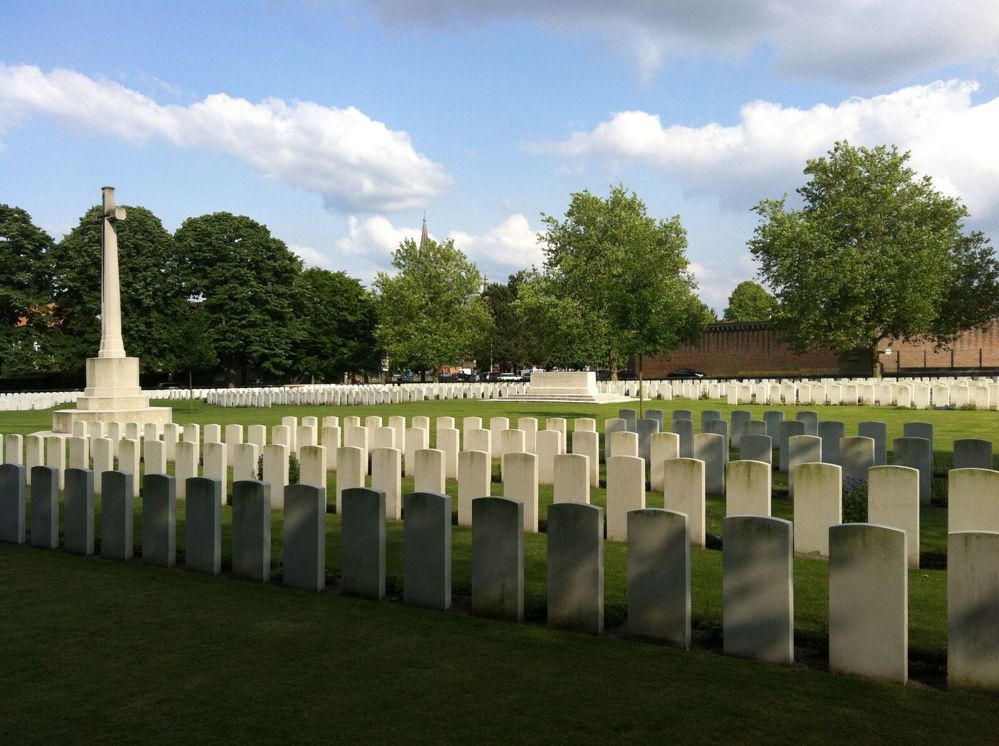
(740, 349)
(752, 349)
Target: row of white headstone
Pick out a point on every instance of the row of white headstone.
(895, 491)
(868, 578)
(980, 393)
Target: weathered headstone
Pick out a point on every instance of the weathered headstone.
(244, 465)
(712, 449)
(474, 480)
(520, 483)
(685, 430)
(758, 589)
(386, 477)
(304, 542)
(818, 504)
(659, 576)
(350, 470)
(625, 492)
(362, 543)
(576, 567)
(878, 431)
(116, 516)
(276, 471)
(773, 418)
(831, 433)
(429, 475)
(972, 453)
(684, 493)
(216, 464)
(918, 430)
(856, 455)
(810, 420)
(893, 500)
(623, 443)
(739, 419)
(787, 429)
(44, 507)
(868, 601)
(185, 465)
(972, 500)
(587, 443)
(755, 447)
(498, 558)
(801, 449)
(203, 525)
(78, 511)
(12, 505)
(251, 530)
(572, 479)
(159, 520)
(426, 550)
(662, 447)
(972, 609)
(748, 488)
(917, 453)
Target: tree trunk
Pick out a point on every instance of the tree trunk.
(613, 365)
(190, 391)
(876, 367)
(641, 386)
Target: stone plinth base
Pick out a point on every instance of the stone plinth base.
(63, 419)
(112, 377)
(563, 383)
(566, 386)
(112, 395)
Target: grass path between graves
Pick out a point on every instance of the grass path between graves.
(99, 651)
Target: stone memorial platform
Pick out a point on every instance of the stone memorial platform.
(112, 393)
(566, 386)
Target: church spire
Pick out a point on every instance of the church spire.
(424, 236)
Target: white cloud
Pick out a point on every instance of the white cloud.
(351, 160)
(373, 237)
(763, 155)
(512, 245)
(858, 40)
(312, 257)
(716, 281)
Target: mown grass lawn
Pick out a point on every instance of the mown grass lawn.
(91, 649)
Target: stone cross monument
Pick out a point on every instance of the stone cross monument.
(112, 393)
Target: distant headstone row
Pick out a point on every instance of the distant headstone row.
(918, 393)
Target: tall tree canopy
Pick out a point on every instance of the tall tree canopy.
(750, 301)
(150, 292)
(874, 253)
(430, 312)
(512, 342)
(24, 293)
(616, 280)
(243, 279)
(335, 322)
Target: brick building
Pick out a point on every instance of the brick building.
(752, 349)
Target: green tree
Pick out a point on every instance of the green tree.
(335, 320)
(193, 345)
(24, 293)
(750, 301)
(622, 276)
(150, 292)
(511, 342)
(243, 278)
(874, 253)
(430, 313)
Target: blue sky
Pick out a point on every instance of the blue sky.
(338, 123)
